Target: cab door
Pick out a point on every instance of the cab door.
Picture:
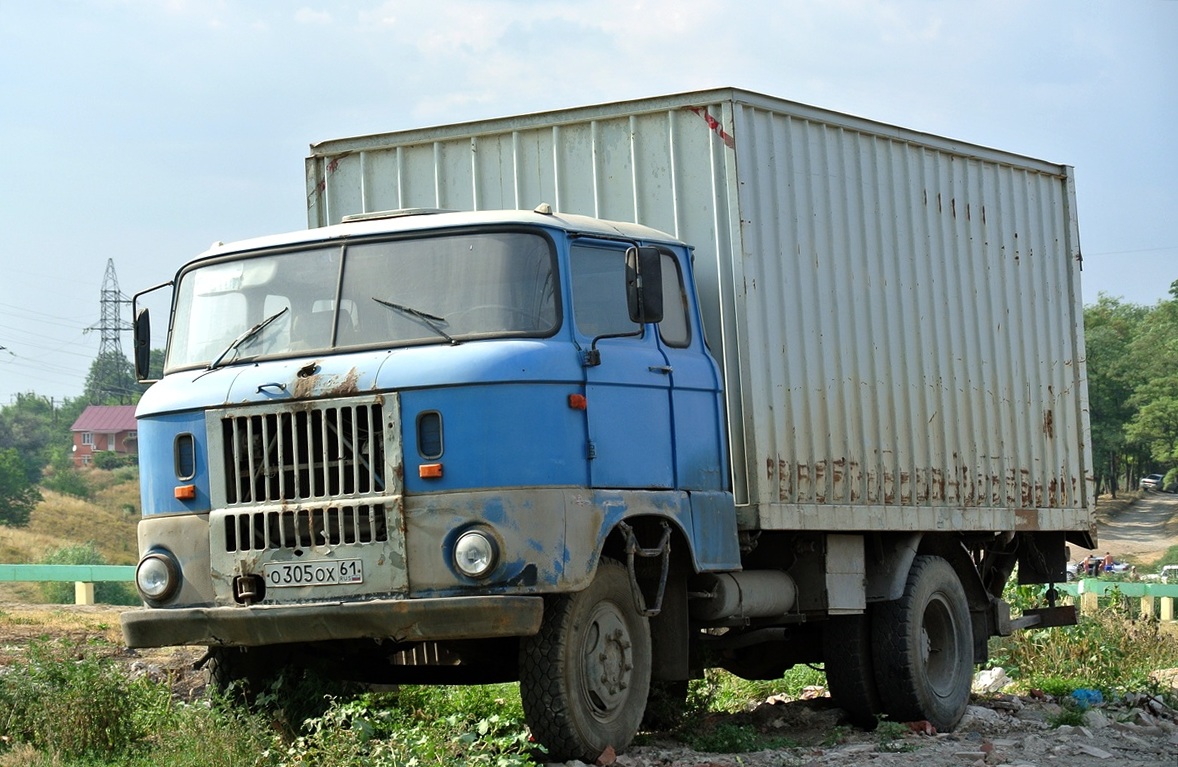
(697, 407)
(627, 377)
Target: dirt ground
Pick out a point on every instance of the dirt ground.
(999, 729)
(1143, 531)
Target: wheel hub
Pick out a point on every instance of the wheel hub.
(608, 661)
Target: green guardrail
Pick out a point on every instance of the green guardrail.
(83, 576)
(1102, 587)
(66, 573)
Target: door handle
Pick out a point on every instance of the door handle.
(664, 369)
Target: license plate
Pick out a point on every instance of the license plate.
(325, 573)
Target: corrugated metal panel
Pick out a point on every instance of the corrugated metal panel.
(897, 314)
(924, 351)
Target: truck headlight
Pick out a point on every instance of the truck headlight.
(158, 576)
(474, 554)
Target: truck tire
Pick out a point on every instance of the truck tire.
(584, 678)
(850, 668)
(923, 647)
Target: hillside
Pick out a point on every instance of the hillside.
(107, 520)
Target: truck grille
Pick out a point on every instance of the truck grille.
(320, 451)
(305, 528)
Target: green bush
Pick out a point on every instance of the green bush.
(70, 703)
(453, 726)
(111, 461)
(108, 592)
(67, 481)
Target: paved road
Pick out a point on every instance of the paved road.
(1146, 529)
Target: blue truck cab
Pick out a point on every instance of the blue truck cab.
(412, 429)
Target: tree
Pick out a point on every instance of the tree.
(1154, 425)
(1110, 328)
(1156, 422)
(1132, 363)
(111, 380)
(36, 427)
(27, 426)
(18, 495)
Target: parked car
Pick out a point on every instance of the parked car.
(1151, 482)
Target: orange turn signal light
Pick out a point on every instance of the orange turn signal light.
(578, 402)
(185, 492)
(430, 471)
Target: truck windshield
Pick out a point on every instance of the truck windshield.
(440, 289)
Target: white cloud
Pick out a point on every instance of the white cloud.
(309, 16)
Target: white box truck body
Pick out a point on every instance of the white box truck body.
(898, 315)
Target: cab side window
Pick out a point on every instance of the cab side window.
(674, 329)
(599, 294)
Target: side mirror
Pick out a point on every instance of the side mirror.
(142, 344)
(644, 284)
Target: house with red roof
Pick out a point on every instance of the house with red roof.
(104, 428)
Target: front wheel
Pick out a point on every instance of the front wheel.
(923, 649)
(584, 678)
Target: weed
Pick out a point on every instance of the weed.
(373, 730)
(1069, 714)
(720, 691)
(71, 700)
(836, 736)
(1111, 650)
(892, 737)
(728, 737)
(1059, 687)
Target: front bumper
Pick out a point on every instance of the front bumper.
(402, 620)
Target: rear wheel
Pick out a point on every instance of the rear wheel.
(850, 669)
(923, 647)
(585, 676)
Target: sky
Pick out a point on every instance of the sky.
(141, 132)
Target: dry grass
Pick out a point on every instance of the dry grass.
(22, 623)
(63, 620)
(108, 521)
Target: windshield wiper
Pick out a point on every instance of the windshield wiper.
(247, 335)
(429, 319)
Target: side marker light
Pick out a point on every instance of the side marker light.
(430, 471)
(185, 492)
